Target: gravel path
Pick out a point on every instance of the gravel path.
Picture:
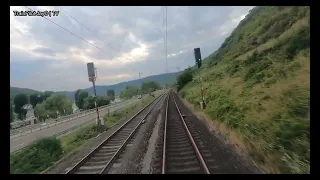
(133, 160)
(70, 160)
(64, 164)
(228, 158)
(143, 154)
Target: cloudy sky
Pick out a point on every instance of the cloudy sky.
(122, 42)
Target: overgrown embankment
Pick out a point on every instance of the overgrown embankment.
(258, 85)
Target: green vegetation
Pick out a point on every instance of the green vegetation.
(79, 97)
(52, 107)
(258, 85)
(21, 97)
(146, 87)
(185, 77)
(11, 114)
(37, 157)
(110, 120)
(19, 101)
(129, 92)
(14, 91)
(78, 138)
(45, 152)
(111, 94)
(149, 86)
(84, 101)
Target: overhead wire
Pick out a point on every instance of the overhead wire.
(78, 36)
(93, 33)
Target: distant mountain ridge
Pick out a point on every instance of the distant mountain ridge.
(162, 79)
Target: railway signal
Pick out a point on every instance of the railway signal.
(197, 56)
(92, 73)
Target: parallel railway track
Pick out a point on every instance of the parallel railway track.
(180, 154)
(101, 159)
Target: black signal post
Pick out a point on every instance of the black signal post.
(198, 60)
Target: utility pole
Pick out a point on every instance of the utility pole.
(165, 19)
(92, 73)
(141, 84)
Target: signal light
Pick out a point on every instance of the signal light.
(197, 56)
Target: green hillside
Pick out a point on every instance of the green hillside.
(162, 79)
(258, 87)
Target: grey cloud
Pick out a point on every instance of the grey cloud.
(188, 27)
(46, 51)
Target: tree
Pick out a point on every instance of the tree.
(79, 97)
(129, 92)
(103, 100)
(76, 97)
(149, 86)
(67, 107)
(82, 96)
(33, 100)
(111, 94)
(47, 94)
(11, 115)
(40, 112)
(184, 78)
(55, 105)
(58, 103)
(19, 101)
(88, 103)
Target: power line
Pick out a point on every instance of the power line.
(92, 32)
(77, 36)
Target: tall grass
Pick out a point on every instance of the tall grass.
(264, 94)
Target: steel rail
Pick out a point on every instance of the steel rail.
(193, 144)
(84, 160)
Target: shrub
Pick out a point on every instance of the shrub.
(233, 68)
(182, 94)
(185, 77)
(298, 42)
(37, 157)
(253, 71)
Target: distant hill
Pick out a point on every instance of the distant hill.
(162, 79)
(15, 90)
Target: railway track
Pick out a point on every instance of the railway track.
(101, 159)
(180, 152)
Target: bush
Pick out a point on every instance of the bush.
(233, 68)
(255, 69)
(182, 94)
(297, 42)
(185, 77)
(37, 157)
(254, 57)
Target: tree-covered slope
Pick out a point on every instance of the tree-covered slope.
(257, 85)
